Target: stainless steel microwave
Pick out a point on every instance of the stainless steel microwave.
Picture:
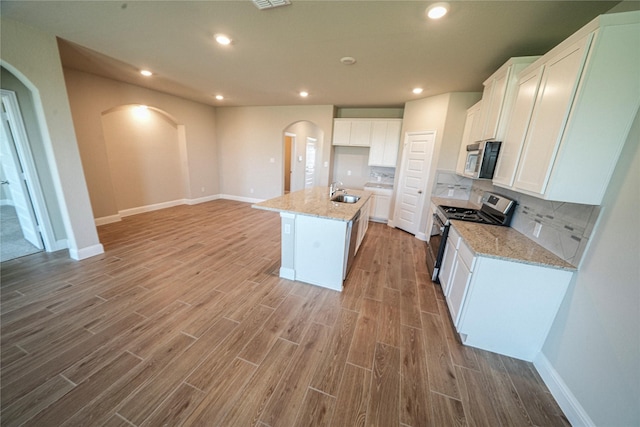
(482, 157)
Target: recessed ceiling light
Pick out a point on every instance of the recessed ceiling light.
(417, 90)
(304, 94)
(437, 10)
(223, 39)
(146, 73)
(219, 97)
(348, 60)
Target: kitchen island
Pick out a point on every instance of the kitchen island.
(319, 236)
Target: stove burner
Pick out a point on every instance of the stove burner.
(466, 214)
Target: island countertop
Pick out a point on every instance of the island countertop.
(315, 202)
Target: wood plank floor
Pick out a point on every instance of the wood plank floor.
(184, 321)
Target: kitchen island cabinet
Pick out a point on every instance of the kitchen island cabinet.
(503, 292)
(317, 234)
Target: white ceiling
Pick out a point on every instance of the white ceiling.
(278, 52)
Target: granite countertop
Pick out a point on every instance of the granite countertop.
(495, 241)
(315, 202)
(383, 185)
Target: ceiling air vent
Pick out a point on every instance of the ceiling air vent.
(270, 4)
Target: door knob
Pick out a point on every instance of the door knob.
(419, 191)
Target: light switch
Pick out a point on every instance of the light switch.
(272, 160)
(299, 158)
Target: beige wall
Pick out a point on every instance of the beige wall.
(249, 137)
(33, 57)
(594, 343)
(90, 96)
(143, 149)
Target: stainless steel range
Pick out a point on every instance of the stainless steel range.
(495, 210)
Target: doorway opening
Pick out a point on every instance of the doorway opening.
(289, 152)
(24, 224)
(302, 156)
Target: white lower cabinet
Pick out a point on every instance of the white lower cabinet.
(499, 305)
(363, 225)
(380, 203)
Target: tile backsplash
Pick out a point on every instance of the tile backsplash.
(452, 186)
(382, 174)
(566, 227)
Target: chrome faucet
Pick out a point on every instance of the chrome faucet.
(334, 188)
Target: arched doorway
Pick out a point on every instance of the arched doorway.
(302, 159)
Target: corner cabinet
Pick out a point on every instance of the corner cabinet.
(498, 305)
(572, 114)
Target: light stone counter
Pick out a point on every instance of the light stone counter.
(315, 202)
(495, 241)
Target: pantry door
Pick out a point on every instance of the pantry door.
(414, 173)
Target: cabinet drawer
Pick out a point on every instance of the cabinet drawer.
(465, 254)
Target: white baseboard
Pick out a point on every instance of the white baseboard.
(287, 273)
(108, 219)
(572, 409)
(240, 199)
(84, 253)
(201, 199)
(148, 208)
(421, 236)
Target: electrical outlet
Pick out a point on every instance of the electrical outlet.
(202, 189)
(536, 229)
(450, 193)
(251, 191)
(348, 173)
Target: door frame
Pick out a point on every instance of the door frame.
(420, 234)
(292, 137)
(25, 156)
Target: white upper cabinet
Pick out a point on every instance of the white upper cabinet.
(354, 132)
(342, 132)
(469, 135)
(382, 135)
(517, 128)
(385, 140)
(585, 102)
(498, 96)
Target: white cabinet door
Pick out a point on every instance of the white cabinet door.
(363, 225)
(382, 207)
(378, 140)
(341, 132)
(385, 140)
(491, 110)
(517, 128)
(460, 278)
(550, 113)
(447, 266)
(473, 117)
(392, 143)
(361, 133)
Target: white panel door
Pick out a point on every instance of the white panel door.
(413, 181)
(17, 186)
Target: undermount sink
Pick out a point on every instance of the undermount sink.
(345, 198)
